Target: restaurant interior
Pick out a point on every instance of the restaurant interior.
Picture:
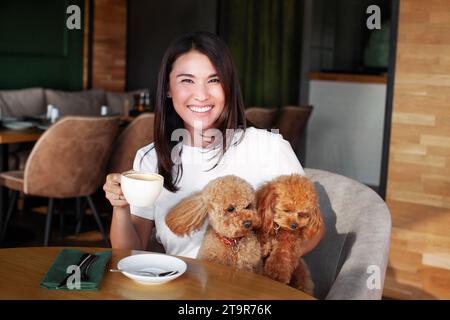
(359, 88)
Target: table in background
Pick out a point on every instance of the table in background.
(22, 270)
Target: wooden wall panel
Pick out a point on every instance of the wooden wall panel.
(109, 44)
(418, 191)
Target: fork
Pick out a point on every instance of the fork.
(147, 273)
(85, 275)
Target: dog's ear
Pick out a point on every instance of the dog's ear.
(315, 227)
(266, 197)
(188, 215)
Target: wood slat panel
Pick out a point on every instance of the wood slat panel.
(109, 45)
(418, 192)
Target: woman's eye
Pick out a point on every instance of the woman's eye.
(230, 209)
(216, 80)
(249, 206)
(187, 81)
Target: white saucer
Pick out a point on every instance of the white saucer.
(18, 125)
(153, 262)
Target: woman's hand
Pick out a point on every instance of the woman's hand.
(113, 191)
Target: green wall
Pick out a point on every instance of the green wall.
(36, 48)
(265, 38)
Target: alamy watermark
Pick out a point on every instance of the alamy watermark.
(374, 280)
(374, 20)
(73, 21)
(74, 280)
(260, 145)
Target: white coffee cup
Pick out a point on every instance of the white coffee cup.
(141, 189)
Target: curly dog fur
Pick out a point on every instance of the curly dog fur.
(290, 214)
(229, 203)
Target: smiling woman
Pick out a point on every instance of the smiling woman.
(198, 89)
(199, 94)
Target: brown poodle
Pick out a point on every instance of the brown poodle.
(291, 218)
(229, 203)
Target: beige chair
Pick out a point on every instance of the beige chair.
(68, 161)
(136, 135)
(262, 118)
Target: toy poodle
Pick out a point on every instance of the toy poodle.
(290, 214)
(229, 203)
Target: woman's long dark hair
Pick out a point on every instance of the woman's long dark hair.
(167, 120)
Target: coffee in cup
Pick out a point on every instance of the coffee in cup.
(141, 189)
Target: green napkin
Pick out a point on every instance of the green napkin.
(68, 257)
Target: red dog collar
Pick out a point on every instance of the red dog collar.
(233, 242)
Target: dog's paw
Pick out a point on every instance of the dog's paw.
(277, 273)
(301, 279)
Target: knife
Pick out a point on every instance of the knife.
(84, 258)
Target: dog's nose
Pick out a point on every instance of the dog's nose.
(294, 226)
(247, 224)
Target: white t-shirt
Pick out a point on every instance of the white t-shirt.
(258, 158)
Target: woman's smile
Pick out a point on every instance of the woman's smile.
(201, 109)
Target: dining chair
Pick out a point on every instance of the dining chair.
(350, 261)
(68, 161)
(136, 135)
(292, 122)
(262, 118)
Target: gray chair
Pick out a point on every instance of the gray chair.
(355, 248)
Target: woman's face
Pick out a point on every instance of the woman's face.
(196, 90)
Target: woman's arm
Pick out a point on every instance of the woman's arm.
(127, 231)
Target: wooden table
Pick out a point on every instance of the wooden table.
(18, 136)
(8, 136)
(22, 270)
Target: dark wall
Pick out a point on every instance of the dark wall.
(352, 33)
(152, 25)
(339, 33)
(36, 48)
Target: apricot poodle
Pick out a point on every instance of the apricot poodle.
(290, 214)
(229, 203)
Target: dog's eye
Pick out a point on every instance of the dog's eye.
(230, 209)
(286, 210)
(249, 206)
(303, 214)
